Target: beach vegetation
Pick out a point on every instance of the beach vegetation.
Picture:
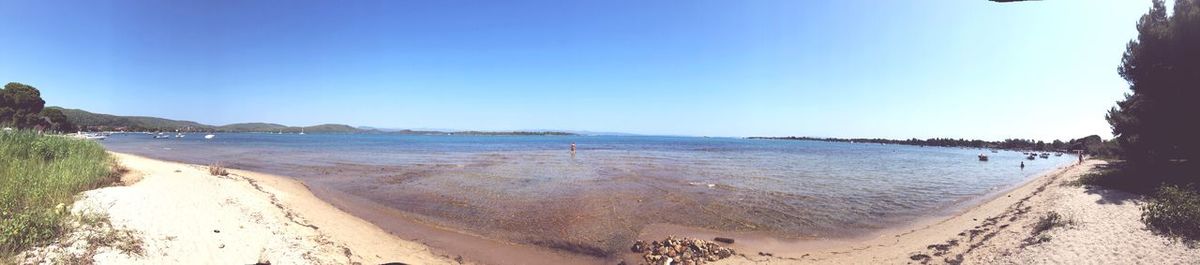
(22, 107)
(39, 176)
(1174, 211)
(1050, 221)
(1155, 125)
(1044, 223)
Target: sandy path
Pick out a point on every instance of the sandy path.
(1105, 229)
(184, 215)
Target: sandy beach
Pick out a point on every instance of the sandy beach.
(178, 213)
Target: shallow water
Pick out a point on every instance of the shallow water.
(532, 190)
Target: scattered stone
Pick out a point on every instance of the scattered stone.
(639, 246)
(216, 231)
(674, 250)
(766, 254)
(725, 240)
(221, 246)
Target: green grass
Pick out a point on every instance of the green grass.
(39, 176)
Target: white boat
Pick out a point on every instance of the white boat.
(210, 136)
(301, 131)
(90, 136)
(983, 157)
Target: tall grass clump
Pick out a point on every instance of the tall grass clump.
(39, 176)
(1174, 211)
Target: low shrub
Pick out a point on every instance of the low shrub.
(1174, 211)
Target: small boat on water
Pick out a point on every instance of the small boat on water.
(995, 151)
(91, 136)
(1031, 157)
(1058, 154)
(210, 136)
(1044, 155)
(983, 157)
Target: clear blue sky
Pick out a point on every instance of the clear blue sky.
(895, 69)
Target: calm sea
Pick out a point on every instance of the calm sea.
(531, 189)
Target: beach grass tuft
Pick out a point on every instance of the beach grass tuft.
(39, 176)
(1050, 221)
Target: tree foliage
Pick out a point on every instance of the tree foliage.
(58, 121)
(21, 106)
(1157, 122)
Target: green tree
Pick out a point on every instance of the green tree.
(1156, 123)
(58, 121)
(21, 105)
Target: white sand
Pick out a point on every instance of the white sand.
(184, 215)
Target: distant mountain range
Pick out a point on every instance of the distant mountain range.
(105, 122)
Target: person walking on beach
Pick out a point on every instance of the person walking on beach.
(572, 148)
(1080, 153)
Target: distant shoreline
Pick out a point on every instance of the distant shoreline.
(1009, 144)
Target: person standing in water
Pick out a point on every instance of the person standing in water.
(1022, 164)
(572, 148)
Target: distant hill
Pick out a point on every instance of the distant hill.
(106, 122)
(86, 119)
(253, 127)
